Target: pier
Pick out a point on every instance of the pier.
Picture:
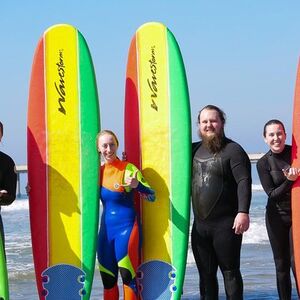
(254, 157)
(20, 169)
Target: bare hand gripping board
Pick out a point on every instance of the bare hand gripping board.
(63, 121)
(158, 141)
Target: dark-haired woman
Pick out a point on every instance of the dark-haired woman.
(277, 178)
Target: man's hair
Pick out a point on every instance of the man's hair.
(220, 112)
(1, 127)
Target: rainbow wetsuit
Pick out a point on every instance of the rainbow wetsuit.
(119, 235)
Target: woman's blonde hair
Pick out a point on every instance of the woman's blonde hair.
(106, 131)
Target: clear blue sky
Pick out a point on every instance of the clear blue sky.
(241, 55)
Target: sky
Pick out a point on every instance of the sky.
(240, 55)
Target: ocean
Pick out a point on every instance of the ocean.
(257, 265)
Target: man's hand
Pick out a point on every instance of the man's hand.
(241, 223)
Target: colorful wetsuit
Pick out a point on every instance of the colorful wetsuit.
(278, 215)
(221, 188)
(8, 182)
(119, 236)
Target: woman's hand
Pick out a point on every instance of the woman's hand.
(27, 188)
(291, 173)
(3, 192)
(132, 181)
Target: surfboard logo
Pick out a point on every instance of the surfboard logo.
(60, 86)
(152, 83)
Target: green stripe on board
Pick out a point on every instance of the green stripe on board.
(181, 159)
(90, 120)
(4, 294)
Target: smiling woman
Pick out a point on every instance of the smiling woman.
(277, 178)
(119, 236)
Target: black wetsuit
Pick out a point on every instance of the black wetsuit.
(278, 214)
(221, 188)
(8, 182)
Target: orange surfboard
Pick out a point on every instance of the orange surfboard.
(296, 186)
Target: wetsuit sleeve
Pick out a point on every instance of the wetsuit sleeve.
(143, 186)
(274, 192)
(241, 170)
(8, 183)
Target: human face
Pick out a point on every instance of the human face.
(275, 137)
(210, 123)
(108, 147)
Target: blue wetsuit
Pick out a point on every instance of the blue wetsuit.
(119, 235)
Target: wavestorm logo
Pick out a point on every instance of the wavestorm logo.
(60, 84)
(152, 83)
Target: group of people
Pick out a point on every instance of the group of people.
(221, 197)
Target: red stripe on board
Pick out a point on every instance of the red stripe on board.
(37, 164)
(132, 122)
(296, 186)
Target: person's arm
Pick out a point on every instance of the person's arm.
(241, 170)
(274, 192)
(8, 185)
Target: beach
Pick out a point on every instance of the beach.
(257, 265)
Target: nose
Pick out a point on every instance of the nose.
(276, 137)
(209, 123)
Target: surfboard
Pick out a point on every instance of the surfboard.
(158, 141)
(62, 125)
(296, 185)
(4, 290)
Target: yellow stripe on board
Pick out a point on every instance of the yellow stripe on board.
(155, 139)
(63, 145)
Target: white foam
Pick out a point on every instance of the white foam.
(257, 233)
(257, 187)
(19, 204)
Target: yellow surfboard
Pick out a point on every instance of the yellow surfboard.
(63, 121)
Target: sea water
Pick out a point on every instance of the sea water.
(257, 264)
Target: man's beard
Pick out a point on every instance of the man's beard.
(213, 143)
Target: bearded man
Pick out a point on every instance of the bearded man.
(221, 196)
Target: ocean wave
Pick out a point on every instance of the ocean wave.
(257, 233)
(257, 187)
(19, 204)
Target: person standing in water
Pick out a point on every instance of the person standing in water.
(221, 195)
(277, 178)
(8, 181)
(119, 234)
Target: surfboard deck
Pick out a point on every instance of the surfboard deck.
(4, 290)
(296, 186)
(62, 124)
(158, 141)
